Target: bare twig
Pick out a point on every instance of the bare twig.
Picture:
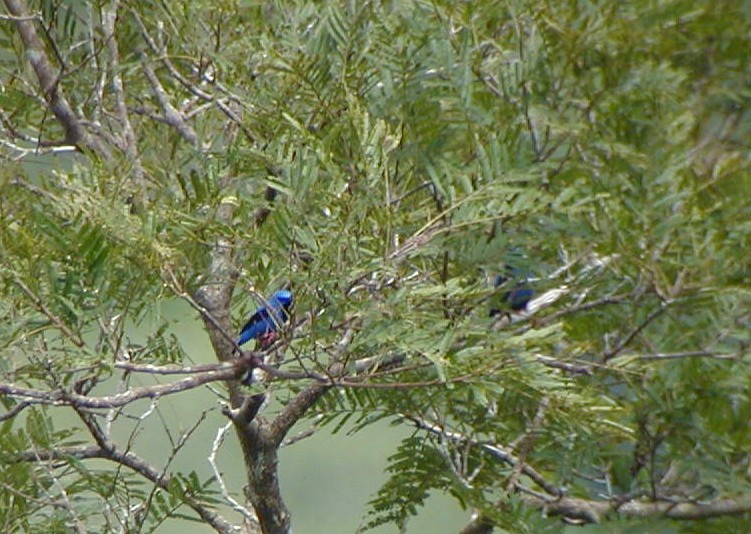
(218, 440)
(311, 430)
(152, 369)
(58, 453)
(680, 355)
(39, 304)
(176, 447)
(575, 368)
(62, 398)
(18, 408)
(592, 511)
(36, 149)
(13, 18)
(635, 332)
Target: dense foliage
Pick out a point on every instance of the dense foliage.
(387, 159)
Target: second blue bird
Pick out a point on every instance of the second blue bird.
(267, 319)
(516, 298)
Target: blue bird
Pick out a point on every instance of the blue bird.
(516, 298)
(267, 319)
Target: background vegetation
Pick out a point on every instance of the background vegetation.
(385, 159)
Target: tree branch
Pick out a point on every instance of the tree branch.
(59, 453)
(39, 305)
(495, 450)
(295, 410)
(187, 84)
(109, 15)
(593, 511)
(107, 450)
(171, 116)
(18, 408)
(218, 440)
(635, 332)
(65, 398)
(686, 354)
(75, 134)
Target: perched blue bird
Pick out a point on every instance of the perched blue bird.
(515, 298)
(267, 319)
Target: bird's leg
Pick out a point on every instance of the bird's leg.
(267, 339)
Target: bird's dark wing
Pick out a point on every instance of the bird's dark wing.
(258, 324)
(519, 298)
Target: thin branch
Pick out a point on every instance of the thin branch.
(494, 450)
(207, 373)
(310, 395)
(553, 317)
(311, 430)
(526, 441)
(75, 519)
(97, 92)
(593, 511)
(189, 113)
(161, 479)
(59, 453)
(635, 332)
(148, 368)
(359, 382)
(218, 440)
(575, 368)
(172, 116)
(64, 398)
(218, 326)
(412, 191)
(18, 408)
(130, 460)
(176, 447)
(680, 355)
(36, 150)
(39, 304)
(12, 18)
(526, 96)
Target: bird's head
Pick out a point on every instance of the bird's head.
(283, 298)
